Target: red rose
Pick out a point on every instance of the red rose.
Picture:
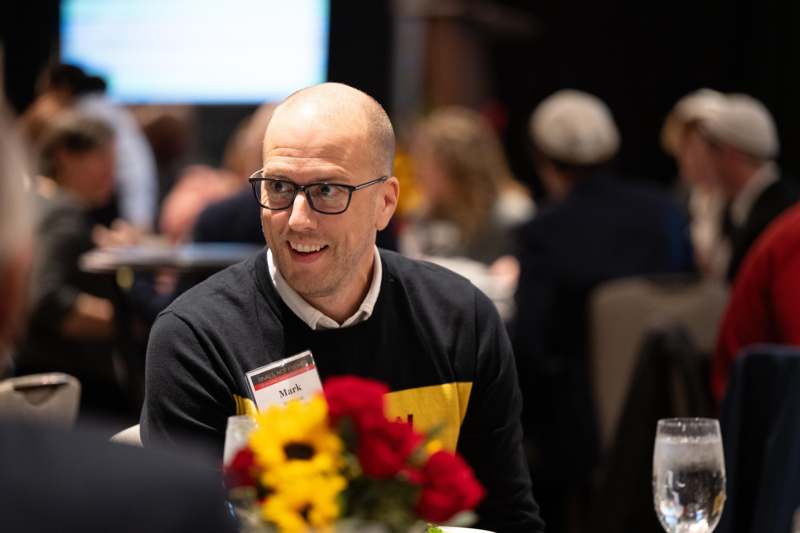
(239, 473)
(449, 486)
(383, 449)
(357, 398)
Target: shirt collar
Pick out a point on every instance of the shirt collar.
(743, 203)
(316, 319)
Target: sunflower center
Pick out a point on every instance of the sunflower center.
(298, 450)
(305, 511)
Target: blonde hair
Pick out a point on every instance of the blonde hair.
(469, 153)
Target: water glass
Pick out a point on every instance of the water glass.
(688, 475)
(236, 434)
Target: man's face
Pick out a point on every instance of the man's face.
(695, 160)
(323, 255)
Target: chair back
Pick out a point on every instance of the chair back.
(761, 436)
(670, 379)
(130, 436)
(52, 398)
(623, 311)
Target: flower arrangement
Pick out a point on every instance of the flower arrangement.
(336, 460)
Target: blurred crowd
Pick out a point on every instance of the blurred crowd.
(106, 176)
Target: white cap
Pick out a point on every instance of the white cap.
(696, 106)
(746, 124)
(574, 127)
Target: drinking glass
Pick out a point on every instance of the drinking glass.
(688, 475)
(236, 434)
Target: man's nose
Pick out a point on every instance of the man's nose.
(301, 217)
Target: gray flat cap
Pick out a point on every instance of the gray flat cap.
(574, 127)
(744, 123)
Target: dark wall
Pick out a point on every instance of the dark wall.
(29, 33)
(640, 57)
(360, 46)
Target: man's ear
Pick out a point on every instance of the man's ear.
(387, 197)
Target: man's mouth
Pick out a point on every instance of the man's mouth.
(308, 251)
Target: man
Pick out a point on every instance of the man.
(597, 228)
(682, 137)
(744, 144)
(323, 285)
(60, 481)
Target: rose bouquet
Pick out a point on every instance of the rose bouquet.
(337, 463)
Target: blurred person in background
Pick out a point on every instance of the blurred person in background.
(470, 199)
(597, 228)
(54, 480)
(196, 188)
(744, 143)
(682, 137)
(470, 203)
(69, 87)
(765, 300)
(237, 218)
(71, 323)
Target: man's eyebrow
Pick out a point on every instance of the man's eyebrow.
(329, 179)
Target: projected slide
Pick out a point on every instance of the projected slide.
(198, 51)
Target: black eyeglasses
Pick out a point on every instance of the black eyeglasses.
(323, 197)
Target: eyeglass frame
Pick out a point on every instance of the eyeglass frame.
(257, 177)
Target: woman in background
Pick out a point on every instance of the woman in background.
(71, 323)
(470, 199)
(470, 203)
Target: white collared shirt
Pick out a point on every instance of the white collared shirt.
(316, 319)
(743, 203)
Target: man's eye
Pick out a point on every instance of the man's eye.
(326, 190)
(279, 187)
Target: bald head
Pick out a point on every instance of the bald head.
(335, 105)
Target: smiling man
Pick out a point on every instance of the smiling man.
(325, 189)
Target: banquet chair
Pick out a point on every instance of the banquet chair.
(623, 311)
(51, 398)
(129, 436)
(760, 424)
(670, 379)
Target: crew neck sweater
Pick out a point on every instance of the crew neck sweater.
(433, 338)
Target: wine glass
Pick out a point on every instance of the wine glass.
(688, 475)
(236, 435)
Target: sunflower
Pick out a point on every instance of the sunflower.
(297, 432)
(303, 498)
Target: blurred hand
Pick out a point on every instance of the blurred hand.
(121, 233)
(197, 187)
(505, 270)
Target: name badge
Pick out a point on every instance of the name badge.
(293, 378)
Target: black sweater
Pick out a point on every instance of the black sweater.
(433, 338)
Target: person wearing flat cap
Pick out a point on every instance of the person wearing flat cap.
(744, 143)
(683, 139)
(596, 228)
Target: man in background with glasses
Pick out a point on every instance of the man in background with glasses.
(326, 188)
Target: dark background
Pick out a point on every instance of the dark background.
(640, 57)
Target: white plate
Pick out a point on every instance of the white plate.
(463, 530)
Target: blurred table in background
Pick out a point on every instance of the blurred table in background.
(140, 272)
(155, 256)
